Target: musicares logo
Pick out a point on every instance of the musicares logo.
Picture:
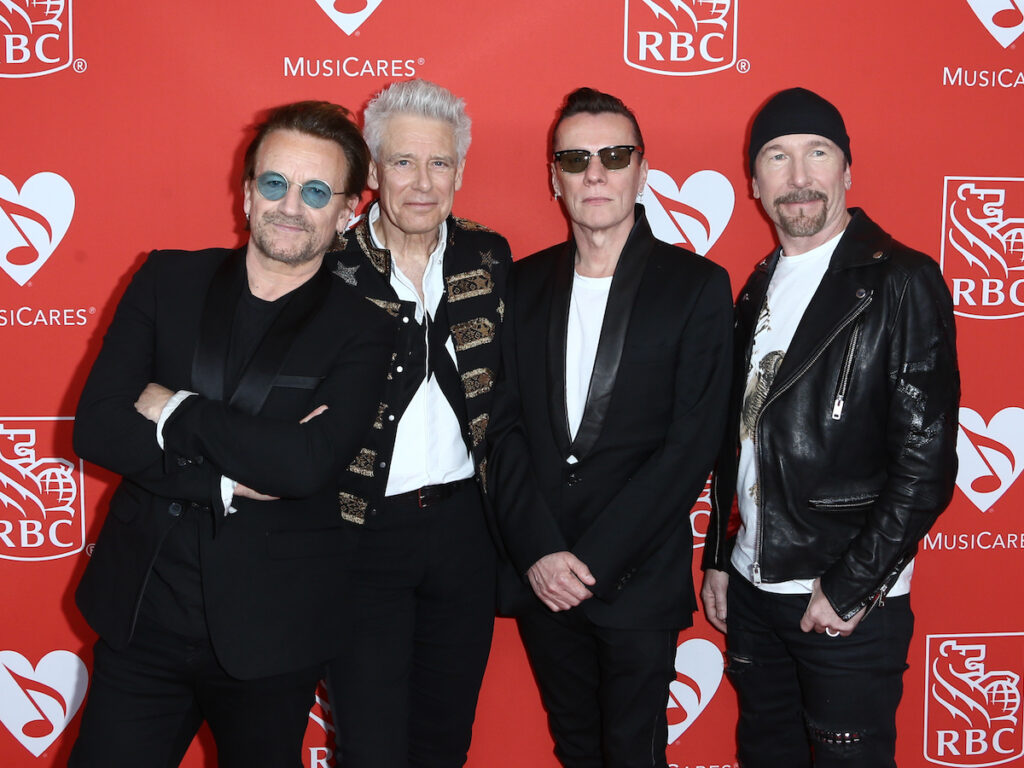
(42, 507)
(349, 15)
(991, 455)
(37, 703)
(699, 668)
(680, 37)
(972, 699)
(983, 246)
(693, 214)
(1004, 19)
(35, 37)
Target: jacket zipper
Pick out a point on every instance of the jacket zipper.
(845, 370)
(755, 567)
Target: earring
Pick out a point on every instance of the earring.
(640, 197)
(557, 194)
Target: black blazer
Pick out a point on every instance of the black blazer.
(267, 566)
(650, 429)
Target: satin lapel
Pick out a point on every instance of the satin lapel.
(215, 327)
(628, 273)
(558, 323)
(259, 375)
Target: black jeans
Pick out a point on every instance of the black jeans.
(146, 703)
(807, 699)
(419, 594)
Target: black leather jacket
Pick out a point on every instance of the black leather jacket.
(856, 442)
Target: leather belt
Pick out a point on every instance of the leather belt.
(430, 494)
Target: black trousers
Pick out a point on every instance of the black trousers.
(809, 699)
(146, 703)
(419, 595)
(605, 690)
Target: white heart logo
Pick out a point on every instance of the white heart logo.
(349, 15)
(991, 455)
(693, 215)
(37, 704)
(33, 222)
(1004, 19)
(699, 668)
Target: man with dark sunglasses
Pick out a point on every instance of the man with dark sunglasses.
(232, 389)
(616, 363)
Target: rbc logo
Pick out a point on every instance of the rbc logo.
(983, 246)
(42, 510)
(35, 37)
(680, 37)
(973, 689)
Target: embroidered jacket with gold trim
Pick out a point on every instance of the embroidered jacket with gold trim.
(476, 263)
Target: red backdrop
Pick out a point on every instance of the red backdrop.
(122, 129)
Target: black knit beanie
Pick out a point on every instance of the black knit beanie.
(797, 110)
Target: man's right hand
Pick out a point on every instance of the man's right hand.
(560, 580)
(712, 594)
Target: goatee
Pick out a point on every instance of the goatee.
(801, 225)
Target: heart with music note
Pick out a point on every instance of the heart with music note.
(33, 221)
(348, 14)
(694, 214)
(37, 703)
(699, 669)
(1004, 19)
(991, 455)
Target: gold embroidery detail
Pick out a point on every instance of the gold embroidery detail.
(487, 260)
(378, 423)
(352, 507)
(391, 307)
(466, 285)
(363, 463)
(478, 428)
(501, 309)
(472, 333)
(471, 226)
(482, 471)
(380, 258)
(478, 381)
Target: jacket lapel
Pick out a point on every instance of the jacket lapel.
(211, 352)
(834, 304)
(259, 375)
(628, 273)
(558, 324)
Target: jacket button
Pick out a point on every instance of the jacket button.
(573, 479)
(861, 293)
(399, 368)
(174, 509)
(182, 461)
(876, 255)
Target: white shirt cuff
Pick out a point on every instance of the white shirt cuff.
(176, 399)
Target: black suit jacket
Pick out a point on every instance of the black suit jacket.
(268, 566)
(650, 429)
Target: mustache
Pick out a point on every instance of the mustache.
(274, 217)
(801, 196)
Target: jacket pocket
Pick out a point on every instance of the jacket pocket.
(855, 503)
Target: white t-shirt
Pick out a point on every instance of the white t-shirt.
(586, 315)
(795, 280)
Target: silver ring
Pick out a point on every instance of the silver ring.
(831, 632)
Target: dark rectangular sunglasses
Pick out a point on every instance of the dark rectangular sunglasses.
(613, 158)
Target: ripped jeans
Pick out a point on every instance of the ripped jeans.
(807, 699)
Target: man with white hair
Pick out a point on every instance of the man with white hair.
(420, 584)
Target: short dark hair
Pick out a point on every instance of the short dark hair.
(593, 102)
(323, 120)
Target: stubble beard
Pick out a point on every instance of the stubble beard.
(304, 251)
(801, 225)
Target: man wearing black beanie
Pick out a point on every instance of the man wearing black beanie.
(841, 452)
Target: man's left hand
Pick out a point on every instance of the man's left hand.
(152, 401)
(820, 616)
